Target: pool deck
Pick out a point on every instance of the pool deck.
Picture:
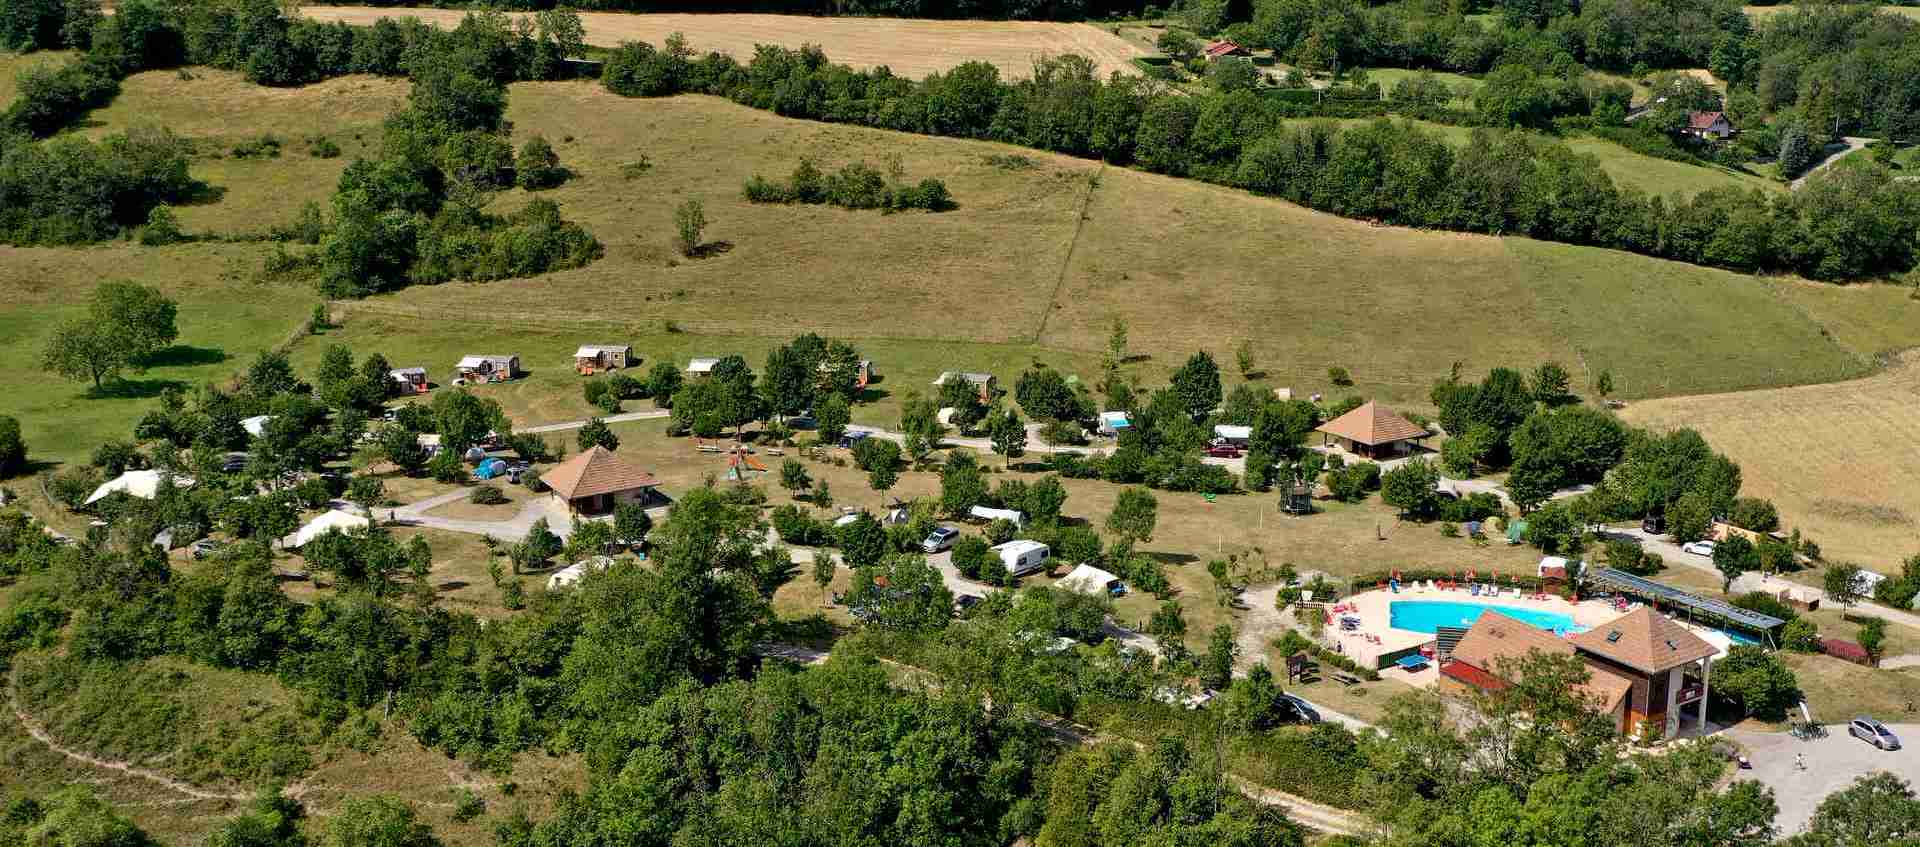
(1373, 609)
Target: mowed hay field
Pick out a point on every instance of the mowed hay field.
(1048, 250)
(909, 47)
(1841, 461)
(1041, 255)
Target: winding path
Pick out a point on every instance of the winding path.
(41, 735)
(1854, 145)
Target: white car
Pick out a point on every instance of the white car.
(1698, 548)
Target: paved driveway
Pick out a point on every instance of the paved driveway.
(1833, 763)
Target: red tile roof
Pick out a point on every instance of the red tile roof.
(595, 470)
(1646, 641)
(1222, 48)
(1703, 120)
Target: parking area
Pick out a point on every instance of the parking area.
(1833, 763)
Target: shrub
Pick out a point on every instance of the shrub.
(973, 558)
(1000, 530)
(1766, 604)
(1801, 636)
(467, 806)
(486, 495)
(264, 147)
(538, 167)
(796, 527)
(322, 147)
(162, 228)
(1339, 376)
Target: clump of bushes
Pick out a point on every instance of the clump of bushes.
(854, 186)
(264, 147)
(486, 495)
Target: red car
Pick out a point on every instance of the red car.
(1223, 451)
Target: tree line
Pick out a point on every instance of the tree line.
(1847, 223)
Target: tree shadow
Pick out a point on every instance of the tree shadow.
(201, 194)
(135, 389)
(1137, 358)
(1255, 375)
(452, 585)
(185, 356)
(1172, 558)
(711, 249)
(872, 395)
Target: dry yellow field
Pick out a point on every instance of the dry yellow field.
(910, 47)
(1842, 461)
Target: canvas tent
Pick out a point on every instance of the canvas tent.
(255, 426)
(572, 573)
(334, 519)
(141, 484)
(1087, 579)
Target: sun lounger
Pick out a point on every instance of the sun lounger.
(1346, 679)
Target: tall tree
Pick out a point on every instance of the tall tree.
(1197, 383)
(81, 349)
(1135, 512)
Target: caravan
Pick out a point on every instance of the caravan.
(1022, 557)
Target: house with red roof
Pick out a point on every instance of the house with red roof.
(1712, 125)
(1223, 48)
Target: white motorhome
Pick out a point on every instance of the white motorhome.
(1022, 557)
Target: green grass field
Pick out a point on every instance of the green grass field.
(225, 320)
(1388, 77)
(1043, 253)
(1764, 12)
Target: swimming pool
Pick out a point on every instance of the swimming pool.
(1428, 615)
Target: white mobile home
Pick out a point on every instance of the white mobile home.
(1015, 516)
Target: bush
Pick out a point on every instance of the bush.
(1801, 636)
(486, 495)
(799, 528)
(1766, 604)
(1000, 531)
(537, 167)
(1339, 376)
(322, 147)
(973, 559)
(162, 228)
(855, 186)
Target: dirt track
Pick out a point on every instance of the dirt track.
(911, 48)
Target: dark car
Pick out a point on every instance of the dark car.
(1300, 709)
(852, 438)
(1873, 732)
(1223, 451)
(204, 547)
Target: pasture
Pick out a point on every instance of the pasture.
(1042, 254)
(1839, 460)
(909, 47)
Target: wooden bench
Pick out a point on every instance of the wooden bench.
(1346, 679)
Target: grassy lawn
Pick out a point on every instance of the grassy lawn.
(1389, 77)
(1869, 319)
(1715, 330)
(225, 319)
(11, 64)
(1764, 12)
(1837, 690)
(1664, 177)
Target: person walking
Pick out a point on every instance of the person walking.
(1799, 761)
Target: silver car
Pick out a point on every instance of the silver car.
(941, 538)
(1873, 732)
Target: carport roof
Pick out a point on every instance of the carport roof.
(1650, 590)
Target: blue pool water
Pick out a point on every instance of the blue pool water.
(1427, 615)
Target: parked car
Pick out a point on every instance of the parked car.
(1223, 451)
(1302, 711)
(1698, 548)
(847, 440)
(802, 422)
(517, 470)
(1873, 732)
(941, 538)
(966, 601)
(204, 547)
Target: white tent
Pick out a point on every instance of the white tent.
(255, 426)
(141, 484)
(1087, 579)
(572, 573)
(319, 526)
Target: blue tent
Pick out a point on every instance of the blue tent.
(491, 468)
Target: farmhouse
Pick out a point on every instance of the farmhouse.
(409, 380)
(595, 480)
(1372, 431)
(985, 382)
(1223, 48)
(701, 368)
(487, 368)
(600, 357)
(1708, 125)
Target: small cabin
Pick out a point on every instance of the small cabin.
(487, 368)
(409, 380)
(701, 368)
(984, 382)
(602, 357)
